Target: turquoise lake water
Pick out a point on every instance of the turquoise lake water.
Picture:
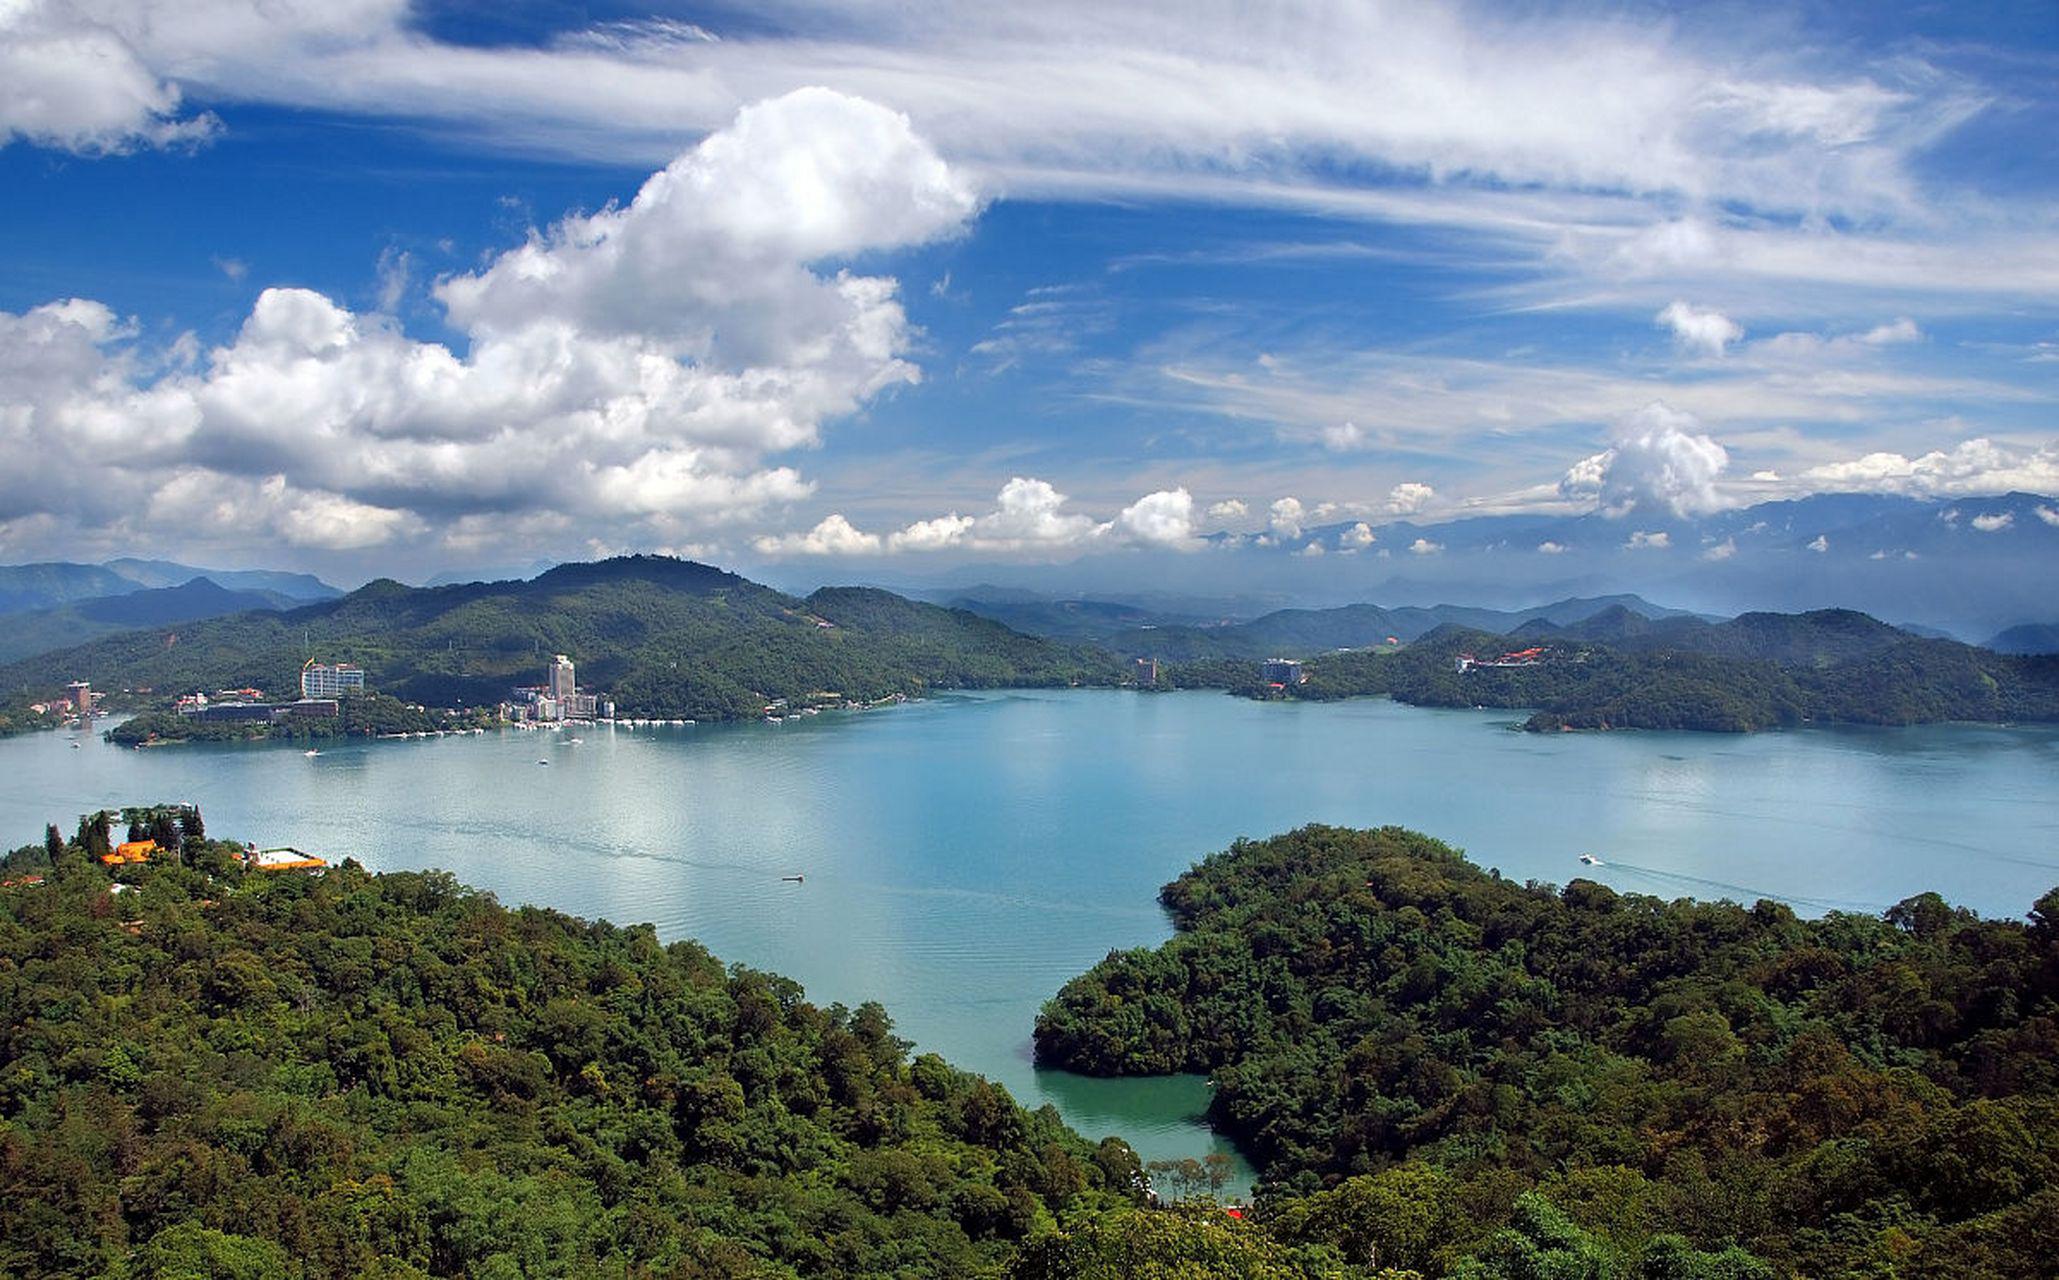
(966, 855)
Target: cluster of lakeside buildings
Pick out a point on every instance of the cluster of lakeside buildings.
(1530, 657)
(323, 685)
(78, 705)
(558, 699)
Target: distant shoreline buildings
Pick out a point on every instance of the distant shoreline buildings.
(1284, 672)
(323, 686)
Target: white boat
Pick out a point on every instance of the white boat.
(310, 754)
(1590, 859)
(573, 741)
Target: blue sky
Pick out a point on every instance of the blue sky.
(368, 286)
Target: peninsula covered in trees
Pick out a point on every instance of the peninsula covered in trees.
(1386, 1023)
(1619, 670)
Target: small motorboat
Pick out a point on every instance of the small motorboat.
(1590, 859)
(543, 762)
(793, 879)
(310, 754)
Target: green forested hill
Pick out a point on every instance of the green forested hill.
(667, 637)
(1759, 671)
(1844, 1096)
(228, 1075)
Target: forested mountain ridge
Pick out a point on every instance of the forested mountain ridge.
(667, 637)
(1303, 632)
(1844, 1096)
(1757, 671)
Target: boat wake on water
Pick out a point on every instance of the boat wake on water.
(1741, 892)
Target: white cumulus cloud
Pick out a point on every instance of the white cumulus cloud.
(74, 84)
(1228, 509)
(1424, 547)
(1659, 464)
(1970, 467)
(931, 535)
(1649, 540)
(1163, 519)
(1699, 329)
(1409, 497)
(635, 368)
(833, 536)
(1286, 516)
(1994, 521)
(1345, 437)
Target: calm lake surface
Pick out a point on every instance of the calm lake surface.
(966, 855)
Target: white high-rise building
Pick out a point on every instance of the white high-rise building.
(330, 680)
(562, 685)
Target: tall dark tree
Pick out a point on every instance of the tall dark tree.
(96, 837)
(53, 844)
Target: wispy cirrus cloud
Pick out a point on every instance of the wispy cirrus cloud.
(1704, 157)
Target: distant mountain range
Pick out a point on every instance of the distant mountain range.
(25, 634)
(1136, 631)
(2028, 637)
(667, 637)
(57, 604)
(28, 587)
(1967, 566)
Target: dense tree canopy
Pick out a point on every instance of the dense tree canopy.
(369, 715)
(1839, 1096)
(1761, 671)
(235, 1074)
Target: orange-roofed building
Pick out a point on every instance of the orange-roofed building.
(287, 859)
(130, 852)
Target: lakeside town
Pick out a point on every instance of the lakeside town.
(329, 691)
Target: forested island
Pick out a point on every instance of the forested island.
(1396, 1033)
(1620, 671)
